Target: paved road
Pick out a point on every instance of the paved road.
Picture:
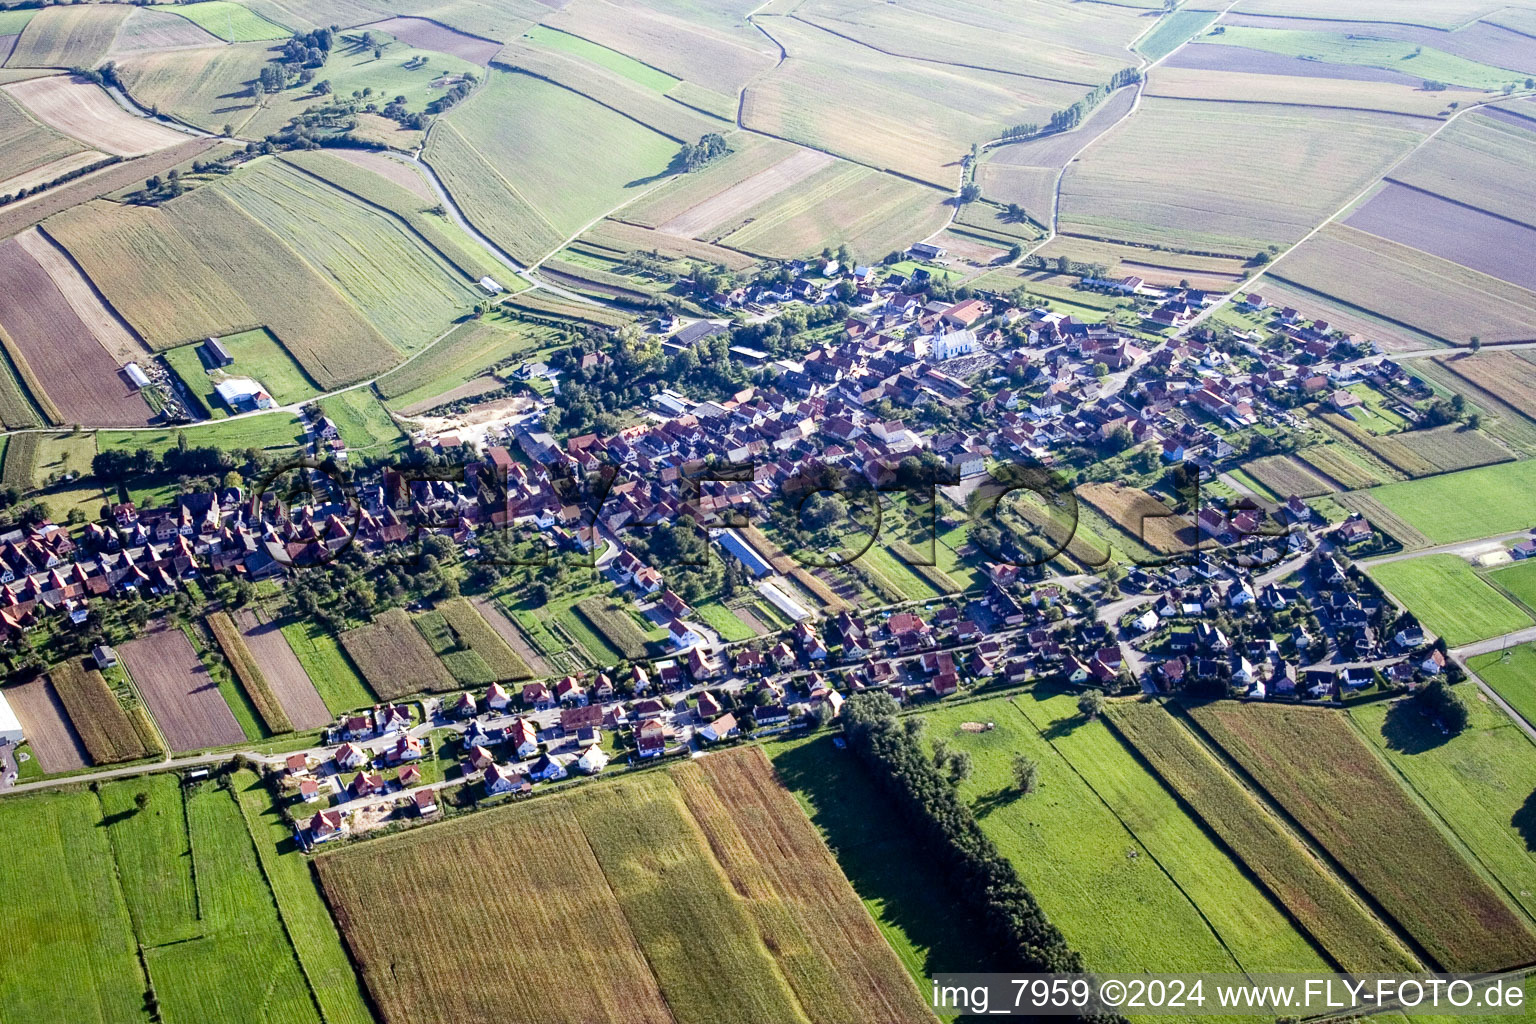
(1465, 548)
(1498, 643)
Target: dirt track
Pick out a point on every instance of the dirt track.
(84, 111)
(741, 197)
(46, 724)
(179, 691)
(289, 682)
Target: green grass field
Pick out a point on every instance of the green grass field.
(270, 432)
(525, 178)
(1450, 599)
(67, 949)
(364, 424)
(1520, 580)
(465, 354)
(1243, 915)
(12, 22)
(1512, 674)
(304, 913)
(154, 857)
(229, 21)
(1394, 55)
(1481, 782)
(723, 621)
(257, 354)
(1095, 881)
(338, 682)
(1461, 506)
(613, 60)
(1173, 31)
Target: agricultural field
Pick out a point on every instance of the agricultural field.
(55, 350)
(281, 669)
(611, 620)
(892, 113)
(328, 667)
(473, 633)
(1284, 476)
(147, 30)
(1481, 241)
(71, 956)
(1421, 291)
(1267, 174)
(429, 35)
(252, 679)
(1173, 30)
(1504, 377)
(1142, 516)
(1449, 599)
(1519, 580)
(1090, 873)
(1317, 899)
(207, 87)
(394, 659)
(1475, 160)
(364, 424)
(468, 354)
(46, 724)
(154, 856)
(1336, 463)
(218, 271)
(1474, 503)
(68, 37)
(525, 179)
(401, 285)
(1479, 781)
(230, 21)
(33, 153)
(1512, 674)
(179, 691)
(109, 732)
(73, 106)
(1398, 56)
(765, 905)
(257, 354)
(1246, 74)
(1314, 764)
(1159, 266)
(1026, 172)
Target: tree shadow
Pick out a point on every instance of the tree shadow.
(1524, 822)
(1063, 727)
(1408, 731)
(675, 167)
(995, 800)
(112, 819)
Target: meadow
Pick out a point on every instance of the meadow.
(464, 355)
(1314, 764)
(1318, 900)
(201, 266)
(1519, 580)
(1512, 674)
(327, 665)
(209, 88)
(1423, 292)
(394, 659)
(271, 432)
(1449, 599)
(1394, 55)
(231, 22)
(1480, 781)
(1462, 506)
(72, 955)
(257, 354)
(1173, 30)
(528, 181)
(1095, 881)
(252, 679)
(1265, 174)
(363, 422)
(154, 857)
(654, 887)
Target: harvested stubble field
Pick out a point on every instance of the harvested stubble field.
(889, 112)
(252, 679)
(750, 156)
(1485, 242)
(179, 691)
(1284, 476)
(476, 634)
(147, 30)
(1026, 172)
(1318, 900)
(1449, 599)
(108, 329)
(46, 725)
(429, 35)
(1477, 160)
(528, 181)
(26, 146)
(109, 733)
(726, 206)
(652, 887)
(1290, 85)
(201, 265)
(621, 237)
(56, 353)
(75, 107)
(1142, 516)
(75, 36)
(1437, 297)
(1314, 765)
(208, 87)
(394, 659)
(1266, 174)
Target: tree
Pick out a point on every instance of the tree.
(1477, 343)
(1091, 704)
(1026, 774)
(970, 193)
(959, 767)
(1016, 253)
(1441, 703)
(141, 799)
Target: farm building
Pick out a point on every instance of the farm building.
(243, 394)
(218, 355)
(732, 542)
(926, 251)
(490, 285)
(10, 725)
(783, 602)
(136, 375)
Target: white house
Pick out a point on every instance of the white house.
(592, 760)
(524, 737)
(547, 769)
(721, 728)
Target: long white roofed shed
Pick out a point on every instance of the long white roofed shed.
(10, 725)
